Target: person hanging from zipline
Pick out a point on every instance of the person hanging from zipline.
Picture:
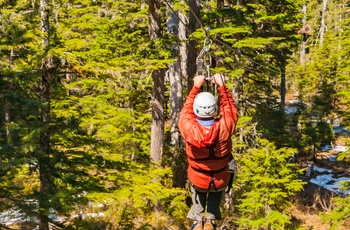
(208, 149)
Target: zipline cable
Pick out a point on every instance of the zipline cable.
(215, 39)
(204, 58)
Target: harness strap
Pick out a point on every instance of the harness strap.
(212, 182)
(212, 156)
(211, 172)
(211, 148)
(208, 158)
(231, 170)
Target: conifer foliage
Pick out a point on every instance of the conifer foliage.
(327, 91)
(84, 90)
(268, 182)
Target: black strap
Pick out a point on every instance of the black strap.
(212, 182)
(208, 158)
(208, 171)
(211, 148)
(232, 174)
(229, 186)
(211, 152)
(211, 173)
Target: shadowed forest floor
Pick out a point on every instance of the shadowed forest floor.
(305, 212)
(315, 199)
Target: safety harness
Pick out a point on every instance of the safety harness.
(212, 156)
(204, 59)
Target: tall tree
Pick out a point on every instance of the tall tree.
(176, 26)
(321, 78)
(254, 47)
(44, 152)
(195, 22)
(323, 21)
(268, 181)
(176, 73)
(157, 129)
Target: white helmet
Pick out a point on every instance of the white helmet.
(204, 105)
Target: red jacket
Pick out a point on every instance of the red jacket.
(207, 172)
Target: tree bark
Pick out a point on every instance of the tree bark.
(303, 43)
(283, 80)
(194, 24)
(323, 19)
(176, 73)
(182, 46)
(157, 128)
(44, 153)
(175, 77)
(154, 26)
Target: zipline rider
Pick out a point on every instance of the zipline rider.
(208, 149)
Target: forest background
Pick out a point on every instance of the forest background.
(91, 92)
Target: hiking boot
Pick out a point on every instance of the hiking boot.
(197, 225)
(209, 224)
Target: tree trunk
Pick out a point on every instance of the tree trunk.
(220, 4)
(44, 153)
(157, 128)
(7, 121)
(303, 43)
(182, 46)
(7, 106)
(323, 19)
(154, 26)
(176, 73)
(283, 81)
(175, 78)
(194, 24)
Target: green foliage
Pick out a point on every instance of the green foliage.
(253, 42)
(268, 182)
(145, 195)
(313, 135)
(97, 119)
(100, 61)
(339, 215)
(321, 80)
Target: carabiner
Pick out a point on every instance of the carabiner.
(204, 57)
(205, 46)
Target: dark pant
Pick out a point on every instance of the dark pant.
(205, 204)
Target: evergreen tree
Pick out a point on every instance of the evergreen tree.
(322, 78)
(97, 62)
(157, 129)
(99, 122)
(20, 78)
(252, 43)
(268, 182)
(322, 84)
